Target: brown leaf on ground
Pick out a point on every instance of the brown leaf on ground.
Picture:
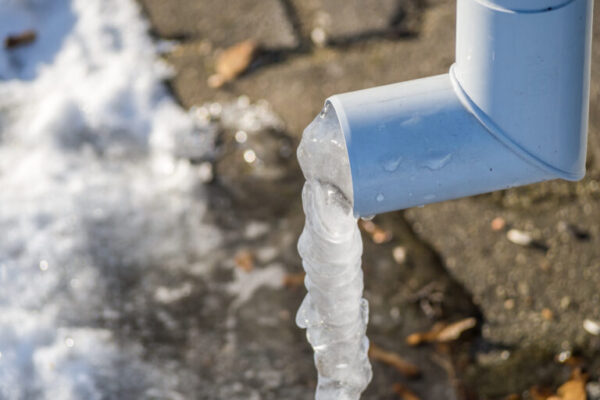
(232, 62)
(404, 392)
(394, 360)
(573, 389)
(293, 280)
(378, 235)
(244, 259)
(453, 331)
(441, 332)
(21, 39)
(419, 338)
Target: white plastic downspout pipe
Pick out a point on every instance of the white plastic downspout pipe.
(513, 110)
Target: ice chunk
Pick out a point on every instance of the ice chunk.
(333, 312)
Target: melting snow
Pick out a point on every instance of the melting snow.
(92, 185)
(247, 283)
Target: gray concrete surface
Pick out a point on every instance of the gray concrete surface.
(296, 82)
(218, 21)
(343, 20)
(531, 301)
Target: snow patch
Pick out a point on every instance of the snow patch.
(96, 187)
(245, 284)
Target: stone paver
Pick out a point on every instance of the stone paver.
(519, 288)
(345, 19)
(298, 85)
(534, 302)
(222, 22)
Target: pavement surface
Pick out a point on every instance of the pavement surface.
(531, 301)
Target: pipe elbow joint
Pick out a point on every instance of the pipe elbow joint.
(513, 110)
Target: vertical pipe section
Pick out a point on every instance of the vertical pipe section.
(525, 75)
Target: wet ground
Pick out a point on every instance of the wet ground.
(232, 333)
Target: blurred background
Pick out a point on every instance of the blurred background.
(150, 208)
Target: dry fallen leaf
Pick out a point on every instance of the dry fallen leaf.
(394, 360)
(378, 234)
(404, 392)
(573, 389)
(441, 332)
(454, 330)
(244, 259)
(419, 338)
(21, 39)
(232, 62)
(294, 280)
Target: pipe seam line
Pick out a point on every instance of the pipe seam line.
(497, 133)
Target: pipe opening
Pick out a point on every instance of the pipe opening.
(323, 155)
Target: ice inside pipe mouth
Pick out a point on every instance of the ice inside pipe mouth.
(323, 155)
(333, 312)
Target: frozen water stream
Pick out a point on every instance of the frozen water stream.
(333, 312)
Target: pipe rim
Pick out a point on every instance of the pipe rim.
(523, 6)
(340, 112)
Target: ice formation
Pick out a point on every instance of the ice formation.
(333, 312)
